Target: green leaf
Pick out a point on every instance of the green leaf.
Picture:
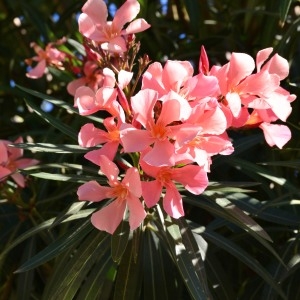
(97, 283)
(128, 279)
(53, 148)
(34, 16)
(62, 177)
(64, 242)
(219, 211)
(157, 267)
(26, 280)
(75, 265)
(57, 102)
(78, 46)
(119, 241)
(69, 131)
(243, 256)
(45, 225)
(255, 169)
(187, 270)
(262, 210)
(239, 214)
(172, 238)
(283, 9)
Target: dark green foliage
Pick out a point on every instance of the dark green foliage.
(240, 238)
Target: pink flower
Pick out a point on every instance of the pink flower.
(276, 134)
(157, 129)
(172, 76)
(192, 177)
(49, 56)
(11, 161)
(89, 101)
(92, 77)
(125, 195)
(209, 137)
(93, 24)
(90, 136)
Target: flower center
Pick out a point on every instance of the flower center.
(159, 131)
(120, 191)
(165, 175)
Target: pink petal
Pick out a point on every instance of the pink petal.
(25, 163)
(162, 154)
(241, 66)
(215, 144)
(90, 136)
(213, 121)
(93, 191)
(38, 70)
(151, 192)
(175, 74)
(234, 103)
(142, 104)
(126, 13)
(129, 137)
(116, 44)
(152, 78)
(241, 119)
(19, 179)
(15, 152)
(108, 168)
(205, 86)
(277, 65)
(124, 78)
(136, 212)
(3, 153)
(192, 177)
(105, 96)
(136, 26)
(86, 101)
(175, 108)
(109, 150)
(172, 202)
(203, 62)
(96, 10)
(86, 25)
(133, 182)
(276, 134)
(259, 84)
(4, 172)
(262, 56)
(75, 84)
(109, 217)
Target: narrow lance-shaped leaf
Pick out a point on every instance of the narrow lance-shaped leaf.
(69, 131)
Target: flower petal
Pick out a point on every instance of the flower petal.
(38, 70)
(151, 192)
(126, 13)
(93, 191)
(133, 182)
(172, 202)
(109, 217)
(136, 212)
(108, 168)
(192, 177)
(276, 134)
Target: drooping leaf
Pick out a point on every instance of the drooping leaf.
(65, 241)
(128, 279)
(71, 270)
(58, 124)
(119, 241)
(244, 257)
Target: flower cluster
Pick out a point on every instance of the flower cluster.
(11, 161)
(174, 124)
